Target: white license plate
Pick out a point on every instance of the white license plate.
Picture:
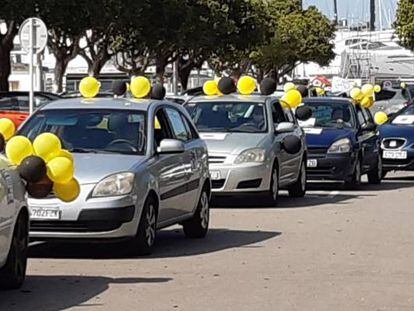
(394, 154)
(215, 175)
(44, 213)
(312, 163)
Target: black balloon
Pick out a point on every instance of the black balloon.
(267, 86)
(32, 169)
(41, 189)
(303, 113)
(226, 85)
(303, 90)
(292, 144)
(119, 87)
(2, 143)
(158, 91)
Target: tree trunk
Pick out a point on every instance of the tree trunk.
(95, 68)
(160, 64)
(59, 71)
(5, 68)
(184, 71)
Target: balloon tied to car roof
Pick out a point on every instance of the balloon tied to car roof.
(140, 88)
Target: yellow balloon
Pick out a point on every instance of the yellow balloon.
(380, 117)
(66, 154)
(246, 85)
(89, 87)
(157, 124)
(140, 87)
(18, 148)
(67, 192)
(320, 91)
(367, 90)
(403, 85)
(60, 170)
(356, 94)
(367, 102)
(289, 86)
(7, 128)
(377, 88)
(293, 98)
(47, 146)
(210, 88)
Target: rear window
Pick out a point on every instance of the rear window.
(20, 102)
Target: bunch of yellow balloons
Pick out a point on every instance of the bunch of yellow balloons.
(364, 96)
(46, 151)
(292, 97)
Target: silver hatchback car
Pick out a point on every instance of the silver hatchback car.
(141, 166)
(255, 146)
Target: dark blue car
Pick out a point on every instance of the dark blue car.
(397, 141)
(342, 140)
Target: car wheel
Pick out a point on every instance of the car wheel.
(298, 189)
(13, 273)
(273, 194)
(144, 240)
(355, 181)
(376, 174)
(197, 226)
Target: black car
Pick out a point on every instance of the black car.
(342, 140)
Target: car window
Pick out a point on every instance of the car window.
(177, 124)
(329, 114)
(92, 130)
(162, 129)
(361, 117)
(289, 115)
(20, 102)
(228, 116)
(277, 113)
(367, 115)
(189, 127)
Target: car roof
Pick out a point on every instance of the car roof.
(328, 100)
(102, 103)
(231, 98)
(25, 93)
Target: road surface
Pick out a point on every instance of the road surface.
(332, 250)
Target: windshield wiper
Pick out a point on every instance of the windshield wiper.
(83, 150)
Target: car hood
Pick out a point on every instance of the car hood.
(397, 130)
(93, 167)
(232, 143)
(324, 137)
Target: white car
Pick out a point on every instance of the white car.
(14, 227)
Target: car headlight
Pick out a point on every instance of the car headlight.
(340, 146)
(117, 184)
(250, 155)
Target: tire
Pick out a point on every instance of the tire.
(298, 189)
(13, 273)
(355, 181)
(144, 240)
(197, 226)
(376, 174)
(273, 194)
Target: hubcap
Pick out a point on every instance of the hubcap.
(275, 186)
(204, 211)
(151, 224)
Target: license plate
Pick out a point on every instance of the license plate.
(312, 163)
(394, 154)
(44, 213)
(215, 175)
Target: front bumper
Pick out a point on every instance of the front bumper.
(230, 179)
(399, 164)
(88, 218)
(338, 167)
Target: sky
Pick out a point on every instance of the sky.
(357, 10)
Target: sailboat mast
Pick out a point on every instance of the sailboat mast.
(372, 15)
(336, 12)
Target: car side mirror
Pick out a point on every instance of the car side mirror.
(285, 127)
(369, 127)
(168, 146)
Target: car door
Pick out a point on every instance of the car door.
(367, 139)
(170, 171)
(7, 212)
(191, 162)
(373, 147)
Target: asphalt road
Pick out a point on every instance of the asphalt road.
(332, 250)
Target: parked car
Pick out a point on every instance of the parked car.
(342, 140)
(14, 227)
(246, 139)
(391, 101)
(397, 141)
(141, 166)
(15, 105)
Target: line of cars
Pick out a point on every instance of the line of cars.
(145, 164)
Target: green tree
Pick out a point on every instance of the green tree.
(12, 13)
(404, 24)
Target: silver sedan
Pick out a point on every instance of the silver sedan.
(141, 166)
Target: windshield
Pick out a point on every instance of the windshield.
(241, 117)
(95, 131)
(406, 116)
(330, 115)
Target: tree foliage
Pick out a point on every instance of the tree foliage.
(404, 23)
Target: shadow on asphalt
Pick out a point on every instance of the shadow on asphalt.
(59, 292)
(170, 243)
